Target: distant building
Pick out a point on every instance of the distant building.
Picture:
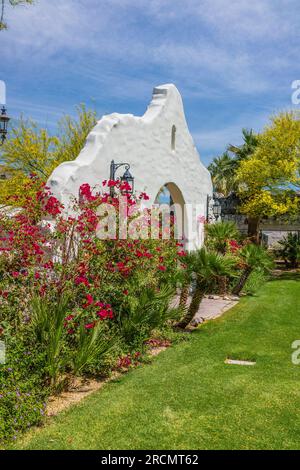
(271, 229)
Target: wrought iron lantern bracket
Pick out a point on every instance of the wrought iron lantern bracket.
(127, 177)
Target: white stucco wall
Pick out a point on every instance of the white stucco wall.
(145, 143)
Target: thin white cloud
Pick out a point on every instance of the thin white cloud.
(122, 48)
(212, 140)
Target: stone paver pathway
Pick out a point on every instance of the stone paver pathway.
(213, 308)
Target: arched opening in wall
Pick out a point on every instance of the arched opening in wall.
(170, 195)
(173, 138)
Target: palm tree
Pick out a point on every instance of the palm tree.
(221, 170)
(219, 233)
(184, 294)
(208, 268)
(185, 280)
(240, 153)
(253, 257)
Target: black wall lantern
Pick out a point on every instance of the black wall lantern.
(126, 178)
(4, 120)
(217, 209)
(214, 204)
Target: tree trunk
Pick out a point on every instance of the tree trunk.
(253, 229)
(184, 296)
(242, 281)
(222, 285)
(193, 309)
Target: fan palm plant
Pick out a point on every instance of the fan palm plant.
(221, 170)
(148, 311)
(218, 234)
(208, 268)
(289, 250)
(252, 257)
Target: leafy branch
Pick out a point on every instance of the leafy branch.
(13, 3)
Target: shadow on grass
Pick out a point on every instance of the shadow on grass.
(286, 276)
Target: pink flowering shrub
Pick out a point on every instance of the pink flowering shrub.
(73, 302)
(71, 298)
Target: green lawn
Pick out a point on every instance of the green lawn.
(189, 399)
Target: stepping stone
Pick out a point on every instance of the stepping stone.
(239, 363)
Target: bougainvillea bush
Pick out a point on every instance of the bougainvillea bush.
(70, 302)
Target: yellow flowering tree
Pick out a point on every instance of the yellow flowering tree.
(31, 150)
(268, 178)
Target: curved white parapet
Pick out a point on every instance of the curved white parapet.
(159, 148)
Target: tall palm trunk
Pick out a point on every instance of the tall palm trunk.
(194, 307)
(242, 281)
(253, 229)
(184, 296)
(222, 285)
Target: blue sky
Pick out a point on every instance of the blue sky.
(232, 60)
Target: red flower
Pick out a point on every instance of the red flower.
(89, 299)
(233, 246)
(48, 265)
(182, 253)
(82, 280)
(125, 187)
(43, 290)
(104, 314)
(53, 206)
(144, 196)
(90, 326)
(85, 193)
(69, 318)
(112, 183)
(162, 268)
